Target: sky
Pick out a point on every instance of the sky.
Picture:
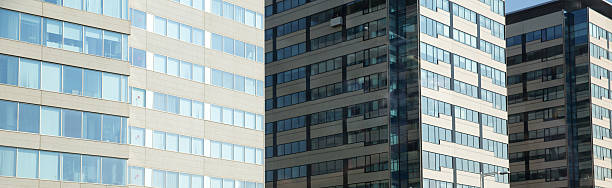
(513, 5)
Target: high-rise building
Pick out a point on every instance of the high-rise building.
(155, 93)
(376, 93)
(559, 94)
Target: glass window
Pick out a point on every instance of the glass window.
(198, 37)
(50, 76)
(217, 42)
(259, 156)
(72, 77)
(9, 68)
(228, 183)
(71, 123)
(239, 83)
(139, 58)
(112, 8)
(216, 7)
(217, 77)
(159, 63)
(159, 140)
(159, 101)
(173, 29)
(249, 155)
(185, 33)
(136, 176)
(27, 163)
(185, 70)
(138, 97)
(238, 118)
(92, 126)
(53, 33)
(215, 149)
(111, 86)
(171, 142)
(7, 160)
(30, 28)
(49, 165)
(76, 4)
(29, 73)
(111, 128)
(50, 121)
(112, 45)
(158, 179)
(259, 121)
(139, 19)
(73, 37)
(172, 104)
(228, 80)
(160, 25)
(184, 144)
(113, 171)
(172, 67)
(137, 136)
(239, 14)
(197, 181)
(260, 86)
(92, 85)
(93, 41)
(94, 6)
(228, 10)
(239, 48)
(91, 169)
(249, 18)
(250, 51)
(249, 120)
(197, 146)
(249, 86)
(185, 107)
(228, 116)
(9, 20)
(260, 54)
(215, 113)
(71, 167)
(197, 109)
(228, 45)
(226, 151)
(259, 21)
(239, 153)
(198, 73)
(171, 180)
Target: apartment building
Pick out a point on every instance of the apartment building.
(375, 93)
(139, 93)
(559, 94)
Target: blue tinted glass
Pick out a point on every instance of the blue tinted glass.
(9, 24)
(260, 54)
(172, 67)
(93, 41)
(216, 7)
(139, 19)
(49, 165)
(112, 8)
(250, 51)
(198, 73)
(172, 104)
(160, 26)
(173, 29)
(29, 73)
(71, 167)
(198, 37)
(53, 33)
(185, 71)
(9, 67)
(228, 10)
(94, 6)
(112, 45)
(139, 58)
(159, 101)
(217, 77)
(91, 169)
(57, 2)
(228, 45)
(8, 115)
(92, 126)
(228, 80)
(111, 129)
(76, 4)
(7, 161)
(30, 28)
(27, 163)
(113, 171)
(239, 83)
(239, 48)
(73, 37)
(92, 83)
(71, 123)
(72, 80)
(217, 42)
(111, 86)
(50, 121)
(171, 180)
(29, 118)
(159, 63)
(50, 77)
(185, 33)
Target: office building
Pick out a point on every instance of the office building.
(139, 93)
(558, 94)
(375, 93)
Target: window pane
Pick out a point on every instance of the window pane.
(197, 146)
(173, 29)
(217, 42)
(27, 163)
(215, 113)
(158, 179)
(111, 128)
(7, 161)
(92, 83)
(137, 136)
(259, 121)
(159, 140)
(197, 110)
(49, 165)
(111, 86)
(185, 33)
(239, 83)
(138, 97)
(91, 169)
(160, 26)
(249, 18)
(50, 124)
(29, 73)
(239, 48)
(172, 104)
(73, 37)
(71, 123)
(228, 116)
(159, 101)
(112, 45)
(113, 171)
(139, 58)
(197, 181)
(173, 67)
(9, 20)
(93, 41)
(139, 19)
(259, 21)
(198, 73)
(228, 10)
(9, 67)
(217, 78)
(112, 8)
(215, 149)
(72, 77)
(185, 107)
(228, 183)
(249, 120)
(186, 70)
(238, 118)
(171, 142)
(227, 151)
(228, 45)
(30, 28)
(53, 33)
(184, 144)
(71, 167)
(239, 153)
(260, 86)
(29, 118)
(76, 4)
(198, 37)
(92, 126)
(50, 76)
(249, 155)
(216, 7)
(136, 176)
(94, 6)
(238, 14)
(249, 86)
(159, 63)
